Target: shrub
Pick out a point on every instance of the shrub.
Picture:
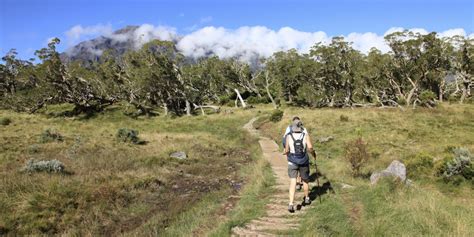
(128, 135)
(460, 165)
(401, 101)
(357, 155)
(50, 166)
(344, 118)
(427, 98)
(419, 165)
(50, 135)
(33, 149)
(5, 121)
(276, 115)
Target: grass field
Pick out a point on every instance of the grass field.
(111, 187)
(116, 188)
(429, 207)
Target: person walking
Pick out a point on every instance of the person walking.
(297, 146)
(299, 184)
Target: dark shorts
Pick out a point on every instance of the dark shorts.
(293, 170)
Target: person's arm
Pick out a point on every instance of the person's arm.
(287, 146)
(309, 145)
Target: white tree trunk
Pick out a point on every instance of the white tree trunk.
(165, 107)
(188, 108)
(240, 98)
(267, 88)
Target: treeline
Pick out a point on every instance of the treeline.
(419, 70)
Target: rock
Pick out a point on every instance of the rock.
(395, 169)
(325, 139)
(179, 155)
(346, 186)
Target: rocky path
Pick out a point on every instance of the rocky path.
(277, 220)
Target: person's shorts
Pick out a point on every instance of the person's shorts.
(303, 169)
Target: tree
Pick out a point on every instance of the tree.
(462, 58)
(340, 67)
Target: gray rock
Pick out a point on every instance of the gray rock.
(325, 139)
(179, 155)
(395, 169)
(346, 186)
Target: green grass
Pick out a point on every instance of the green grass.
(429, 208)
(111, 186)
(117, 188)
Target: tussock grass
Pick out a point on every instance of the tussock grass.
(429, 207)
(113, 186)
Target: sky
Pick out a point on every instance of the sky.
(27, 25)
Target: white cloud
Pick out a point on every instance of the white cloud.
(452, 32)
(78, 32)
(365, 41)
(245, 43)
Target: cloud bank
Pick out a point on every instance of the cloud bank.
(245, 43)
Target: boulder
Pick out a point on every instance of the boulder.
(181, 155)
(395, 169)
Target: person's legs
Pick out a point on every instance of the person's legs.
(306, 188)
(292, 173)
(298, 182)
(304, 172)
(292, 190)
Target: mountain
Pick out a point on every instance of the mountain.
(120, 41)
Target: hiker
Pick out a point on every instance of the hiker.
(297, 146)
(299, 184)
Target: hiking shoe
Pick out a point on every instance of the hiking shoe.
(306, 201)
(291, 208)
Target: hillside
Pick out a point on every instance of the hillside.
(109, 187)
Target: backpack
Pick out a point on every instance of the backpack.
(283, 142)
(298, 144)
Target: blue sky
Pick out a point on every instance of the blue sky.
(27, 24)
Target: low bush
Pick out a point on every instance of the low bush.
(5, 121)
(50, 166)
(427, 98)
(276, 115)
(419, 165)
(459, 166)
(357, 155)
(50, 135)
(344, 118)
(35, 148)
(128, 135)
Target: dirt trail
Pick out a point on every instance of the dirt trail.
(277, 220)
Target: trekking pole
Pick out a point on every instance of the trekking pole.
(317, 176)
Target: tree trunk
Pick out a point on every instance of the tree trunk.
(240, 98)
(188, 108)
(267, 88)
(441, 86)
(165, 107)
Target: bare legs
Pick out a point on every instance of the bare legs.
(293, 189)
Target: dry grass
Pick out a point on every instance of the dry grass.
(112, 186)
(430, 207)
